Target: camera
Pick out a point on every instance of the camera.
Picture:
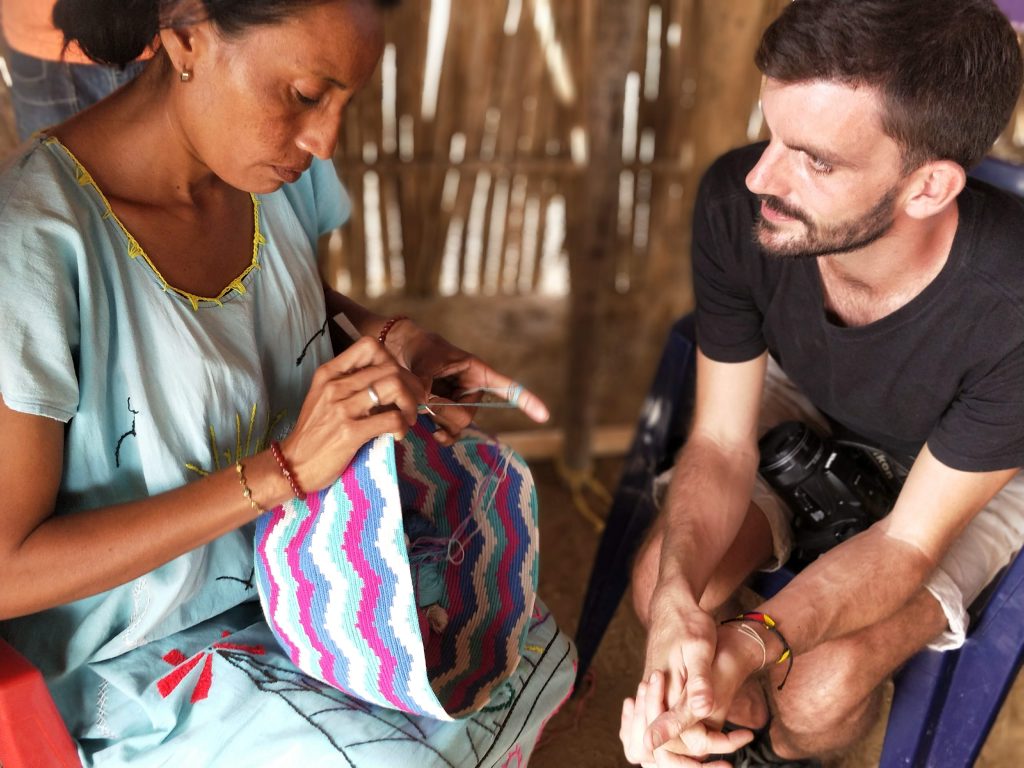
(834, 488)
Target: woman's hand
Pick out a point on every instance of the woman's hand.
(453, 375)
(360, 394)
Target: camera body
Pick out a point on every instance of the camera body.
(834, 488)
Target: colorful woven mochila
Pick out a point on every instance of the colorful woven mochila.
(336, 584)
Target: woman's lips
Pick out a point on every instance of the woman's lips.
(287, 175)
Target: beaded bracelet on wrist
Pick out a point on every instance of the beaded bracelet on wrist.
(386, 328)
(246, 490)
(275, 448)
(766, 621)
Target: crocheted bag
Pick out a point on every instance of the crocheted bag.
(334, 576)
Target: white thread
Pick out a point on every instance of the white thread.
(101, 712)
(750, 632)
(139, 610)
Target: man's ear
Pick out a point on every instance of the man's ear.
(933, 187)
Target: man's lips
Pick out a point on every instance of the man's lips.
(774, 215)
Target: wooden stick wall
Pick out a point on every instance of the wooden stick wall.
(553, 147)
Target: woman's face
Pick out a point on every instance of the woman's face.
(261, 105)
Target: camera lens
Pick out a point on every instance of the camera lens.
(789, 454)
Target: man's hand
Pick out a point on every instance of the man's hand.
(693, 738)
(736, 658)
(681, 643)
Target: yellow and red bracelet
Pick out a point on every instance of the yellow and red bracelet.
(766, 621)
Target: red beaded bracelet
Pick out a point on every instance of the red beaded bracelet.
(387, 328)
(275, 448)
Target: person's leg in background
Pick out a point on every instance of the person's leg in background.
(44, 93)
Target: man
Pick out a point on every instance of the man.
(881, 294)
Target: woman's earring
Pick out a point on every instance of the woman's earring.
(186, 75)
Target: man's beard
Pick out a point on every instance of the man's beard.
(820, 240)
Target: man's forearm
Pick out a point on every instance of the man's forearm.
(707, 502)
(858, 583)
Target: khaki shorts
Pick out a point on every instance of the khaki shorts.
(985, 547)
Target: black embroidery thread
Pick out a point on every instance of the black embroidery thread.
(131, 432)
(247, 582)
(305, 349)
(293, 687)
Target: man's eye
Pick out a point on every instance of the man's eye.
(304, 99)
(818, 165)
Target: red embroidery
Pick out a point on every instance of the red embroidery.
(182, 666)
(517, 755)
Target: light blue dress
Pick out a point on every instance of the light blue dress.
(158, 388)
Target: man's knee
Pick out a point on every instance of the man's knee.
(824, 710)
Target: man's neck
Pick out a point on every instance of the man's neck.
(864, 286)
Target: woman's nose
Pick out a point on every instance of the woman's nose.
(319, 136)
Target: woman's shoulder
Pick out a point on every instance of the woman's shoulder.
(39, 185)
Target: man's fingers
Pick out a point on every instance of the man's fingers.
(655, 701)
(625, 724)
(708, 742)
(676, 686)
(665, 759)
(663, 729)
(637, 752)
(700, 696)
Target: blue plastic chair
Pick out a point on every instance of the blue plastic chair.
(944, 703)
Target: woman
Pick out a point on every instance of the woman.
(163, 328)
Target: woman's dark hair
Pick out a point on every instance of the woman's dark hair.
(949, 71)
(116, 32)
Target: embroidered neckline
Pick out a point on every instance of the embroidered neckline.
(135, 250)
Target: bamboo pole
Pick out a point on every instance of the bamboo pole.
(592, 258)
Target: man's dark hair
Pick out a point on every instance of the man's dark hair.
(949, 71)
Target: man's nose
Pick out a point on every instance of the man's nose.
(766, 177)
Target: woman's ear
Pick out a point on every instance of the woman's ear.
(933, 187)
(179, 42)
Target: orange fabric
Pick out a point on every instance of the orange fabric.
(28, 28)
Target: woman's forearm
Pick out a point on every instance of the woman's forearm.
(69, 557)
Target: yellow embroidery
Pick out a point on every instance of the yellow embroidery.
(135, 250)
(251, 447)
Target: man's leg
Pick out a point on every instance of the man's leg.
(833, 694)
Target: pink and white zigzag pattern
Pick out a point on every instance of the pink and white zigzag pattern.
(334, 577)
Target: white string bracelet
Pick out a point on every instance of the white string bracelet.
(750, 632)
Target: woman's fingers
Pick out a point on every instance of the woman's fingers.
(379, 386)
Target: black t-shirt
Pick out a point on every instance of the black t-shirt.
(946, 368)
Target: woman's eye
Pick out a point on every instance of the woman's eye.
(304, 99)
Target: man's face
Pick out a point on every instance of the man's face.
(830, 180)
